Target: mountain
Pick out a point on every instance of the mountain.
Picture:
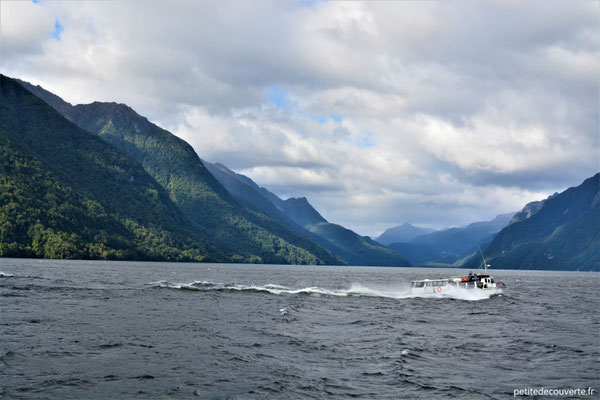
(450, 245)
(248, 193)
(299, 215)
(296, 212)
(301, 211)
(356, 249)
(65, 193)
(563, 234)
(297, 209)
(403, 233)
(530, 209)
(243, 235)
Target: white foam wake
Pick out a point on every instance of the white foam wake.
(355, 289)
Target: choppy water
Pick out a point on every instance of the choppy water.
(85, 329)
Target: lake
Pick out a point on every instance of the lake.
(141, 330)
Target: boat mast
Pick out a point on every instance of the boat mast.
(483, 258)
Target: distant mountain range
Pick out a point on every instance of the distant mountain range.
(561, 232)
(403, 233)
(449, 246)
(99, 181)
(299, 215)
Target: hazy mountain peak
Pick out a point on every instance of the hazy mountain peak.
(530, 209)
(499, 222)
(402, 233)
(301, 211)
(450, 245)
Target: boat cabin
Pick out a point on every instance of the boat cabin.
(429, 285)
(477, 281)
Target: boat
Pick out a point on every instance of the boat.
(467, 282)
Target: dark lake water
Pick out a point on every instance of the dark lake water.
(134, 330)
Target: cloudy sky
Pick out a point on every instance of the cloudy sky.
(437, 113)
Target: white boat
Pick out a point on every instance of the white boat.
(467, 282)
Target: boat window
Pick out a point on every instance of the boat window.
(418, 284)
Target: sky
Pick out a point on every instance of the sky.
(436, 113)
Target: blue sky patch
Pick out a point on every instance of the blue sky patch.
(362, 143)
(58, 30)
(337, 118)
(35, 1)
(366, 141)
(310, 3)
(278, 97)
(334, 117)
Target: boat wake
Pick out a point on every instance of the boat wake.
(355, 289)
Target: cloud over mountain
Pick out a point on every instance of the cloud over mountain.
(378, 112)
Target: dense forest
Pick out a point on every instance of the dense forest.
(143, 177)
(65, 193)
(561, 232)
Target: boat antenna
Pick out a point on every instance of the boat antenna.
(483, 258)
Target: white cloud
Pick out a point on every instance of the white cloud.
(437, 113)
(24, 28)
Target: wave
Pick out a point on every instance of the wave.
(355, 289)
(9, 275)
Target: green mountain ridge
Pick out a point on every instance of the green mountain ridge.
(65, 193)
(245, 191)
(300, 210)
(564, 233)
(358, 250)
(299, 215)
(530, 209)
(243, 235)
